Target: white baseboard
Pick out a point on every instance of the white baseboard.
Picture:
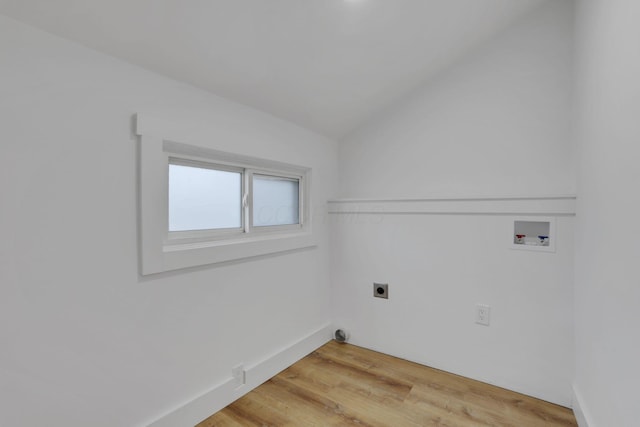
(225, 393)
(580, 410)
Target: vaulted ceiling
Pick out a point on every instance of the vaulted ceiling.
(327, 65)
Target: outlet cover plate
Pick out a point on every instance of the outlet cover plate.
(483, 314)
(239, 375)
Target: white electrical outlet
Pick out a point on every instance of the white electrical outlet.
(483, 313)
(239, 375)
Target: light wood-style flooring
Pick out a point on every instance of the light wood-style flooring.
(342, 385)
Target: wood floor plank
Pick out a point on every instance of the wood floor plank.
(343, 385)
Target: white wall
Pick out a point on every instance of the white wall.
(607, 252)
(438, 267)
(85, 340)
(497, 123)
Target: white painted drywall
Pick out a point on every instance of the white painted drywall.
(497, 123)
(607, 290)
(324, 64)
(85, 340)
(438, 268)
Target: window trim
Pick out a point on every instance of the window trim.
(161, 250)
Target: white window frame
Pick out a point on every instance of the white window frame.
(162, 250)
(301, 202)
(207, 234)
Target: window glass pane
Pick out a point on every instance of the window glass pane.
(275, 201)
(204, 199)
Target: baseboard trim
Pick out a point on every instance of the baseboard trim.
(580, 410)
(225, 393)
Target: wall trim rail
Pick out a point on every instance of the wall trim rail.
(564, 205)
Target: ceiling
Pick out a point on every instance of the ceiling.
(327, 65)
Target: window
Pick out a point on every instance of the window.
(204, 197)
(275, 200)
(208, 200)
(201, 206)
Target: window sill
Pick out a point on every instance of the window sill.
(185, 255)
